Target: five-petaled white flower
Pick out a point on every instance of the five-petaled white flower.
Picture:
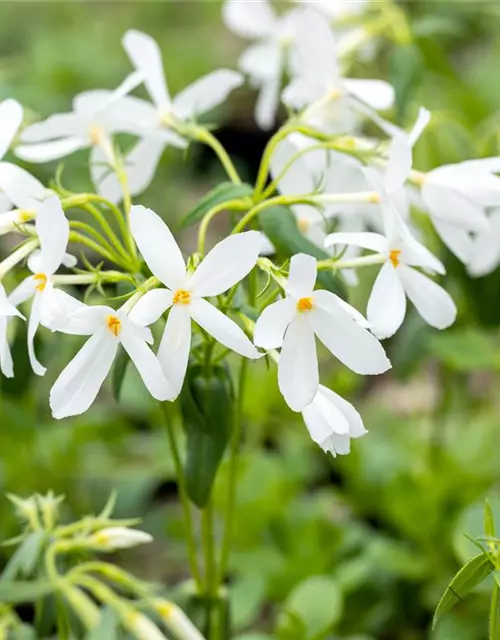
(224, 266)
(317, 82)
(52, 228)
(79, 383)
(332, 422)
(7, 311)
(292, 323)
(266, 60)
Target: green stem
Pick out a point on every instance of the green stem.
(208, 541)
(81, 199)
(99, 238)
(106, 227)
(74, 236)
(203, 135)
(355, 263)
(231, 205)
(17, 256)
(184, 498)
(494, 632)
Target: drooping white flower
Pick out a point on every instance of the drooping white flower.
(79, 383)
(293, 322)
(485, 254)
(7, 311)
(265, 61)
(52, 228)
(225, 265)
(398, 278)
(332, 422)
(317, 82)
(154, 120)
(112, 538)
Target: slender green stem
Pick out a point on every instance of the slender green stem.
(231, 205)
(74, 236)
(89, 278)
(364, 261)
(203, 135)
(106, 227)
(81, 199)
(232, 474)
(183, 495)
(99, 238)
(208, 542)
(17, 256)
(494, 632)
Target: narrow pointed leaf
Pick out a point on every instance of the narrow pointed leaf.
(221, 193)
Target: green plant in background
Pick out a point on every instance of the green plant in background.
(326, 565)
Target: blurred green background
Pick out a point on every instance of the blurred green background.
(375, 536)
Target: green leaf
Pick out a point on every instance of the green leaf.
(221, 193)
(107, 628)
(26, 591)
(118, 373)
(317, 603)
(207, 409)
(489, 520)
(280, 226)
(24, 560)
(405, 73)
(465, 350)
(469, 576)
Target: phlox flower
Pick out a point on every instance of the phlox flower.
(485, 253)
(224, 266)
(317, 82)
(11, 116)
(52, 228)
(266, 60)
(332, 422)
(79, 383)
(292, 324)
(7, 311)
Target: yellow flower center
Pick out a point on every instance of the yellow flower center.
(165, 118)
(96, 134)
(334, 94)
(114, 325)
(304, 304)
(25, 215)
(394, 257)
(303, 224)
(41, 279)
(181, 296)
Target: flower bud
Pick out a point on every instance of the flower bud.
(177, 621)
(113, 538)
(142, 627)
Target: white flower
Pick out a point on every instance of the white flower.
(78, 385)
(485, 254)
(154, 121)
(398, 279)
(225, 265)
(332, 422)
(318, 84)
(112, 538)
(52, 228)
(337, 9)
(11, 116)
(293, 322)
(7, 310)
(267, 59)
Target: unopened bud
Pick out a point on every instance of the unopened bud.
(142, 627)
(113, 538)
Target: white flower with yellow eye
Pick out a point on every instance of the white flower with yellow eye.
(52, 228)
(79, 383)
(293, 323)
(226, 264)
(332, 422)
(7, 311)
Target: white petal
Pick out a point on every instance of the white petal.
(399, 164)
(69, 261)
(226, 264)
(59, 313)
(377, 94)
(272, 323)
(458, 240)
(52, 228)
(302, 275)
(151, 307)
(23, 291)
(414, 253)
(206, 93)
(298, 376)
(387, 304)
(367, 240)
(302, 92)
(145, 55)
(330, 302)
(145, 361)
(222, 328)
(173, 353)
(249, 19)
(315, 53)
(60, 125)
(267, 103)
(46, 151)
(423, 119)
(6, 364)
(356, 426)
(486, 256)
(432, 302)
(158, 247)
(450, 206)
(11, 116)
(33, 324)
(262, 61)
(21, 187)
(299, 177)
(79, 383)
(7, 309)
(356, 347)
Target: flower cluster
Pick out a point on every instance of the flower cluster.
(347, 192)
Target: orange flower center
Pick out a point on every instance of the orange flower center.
(303, 224)
(41, 279)
(26, 215)
(304, 304)
(394, 257)
(114, 325)
(96, 134)
(181, 296)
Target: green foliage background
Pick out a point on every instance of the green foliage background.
(360, 547)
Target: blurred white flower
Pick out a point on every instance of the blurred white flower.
(52, 228)
(337, 9)
(293, 322)
(11, 116)
(332, 422)
(485, 253)
(79, 383)
(7, 311)
(225, 265)
(112, 538)
(331, 100)
(267, 60)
